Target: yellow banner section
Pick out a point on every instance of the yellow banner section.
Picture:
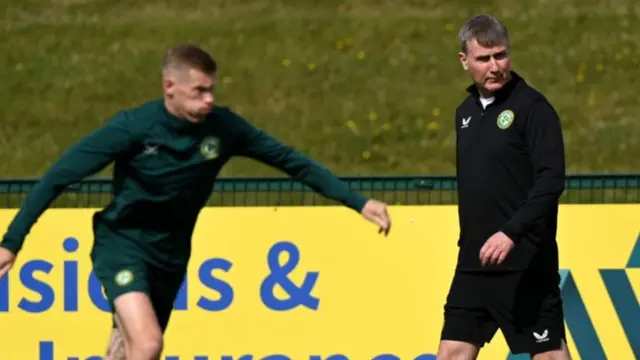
(311, 283)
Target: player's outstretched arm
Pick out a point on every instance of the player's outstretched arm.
(85, 158)
(257, 144)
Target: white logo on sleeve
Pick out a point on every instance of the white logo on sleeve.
(465, 122)
(150, 149)
(540, 338)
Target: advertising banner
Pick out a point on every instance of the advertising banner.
(313, 283)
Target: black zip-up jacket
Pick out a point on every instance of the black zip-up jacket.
(511, 172)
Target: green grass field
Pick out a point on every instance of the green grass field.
(366, 87)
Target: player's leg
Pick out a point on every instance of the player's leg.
(126, 285)
(117, 348)
(457, 350)
(164, 287)
(139, 324)
(467, 325)
(559, 354)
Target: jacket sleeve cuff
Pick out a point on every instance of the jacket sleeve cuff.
(513, 232)
(357, 202)
(11, 245)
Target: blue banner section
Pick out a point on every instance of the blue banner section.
(314, 295)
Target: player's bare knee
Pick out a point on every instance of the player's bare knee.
(136, 316)
(551, 355)
(457, 350)
(559, 354)
(147, 348)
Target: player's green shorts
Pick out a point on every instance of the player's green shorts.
(125, 274)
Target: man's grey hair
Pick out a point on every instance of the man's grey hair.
(487, 30)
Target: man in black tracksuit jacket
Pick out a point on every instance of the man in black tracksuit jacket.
(511, 173)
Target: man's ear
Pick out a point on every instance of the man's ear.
(463, 60)
(167, 85)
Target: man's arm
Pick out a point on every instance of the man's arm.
(85, 158)
(257, 144)
(543, 135)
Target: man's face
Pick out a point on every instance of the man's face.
(191, 91)
(488, 66)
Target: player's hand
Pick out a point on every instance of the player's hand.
(496, 249)
(7, 258)
(376, 212)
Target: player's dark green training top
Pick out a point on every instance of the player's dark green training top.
(164, 172)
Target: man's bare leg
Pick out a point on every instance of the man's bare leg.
(138, 325)
(457, 350)
(117, 349)
(560, 354)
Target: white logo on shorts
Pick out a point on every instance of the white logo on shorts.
(541, 338)
(124, 277)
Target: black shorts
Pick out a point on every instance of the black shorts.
(131, 274)
(525, 306)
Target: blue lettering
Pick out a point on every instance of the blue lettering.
(47, 296)
(297, 295)
(46, 352)
(70, 245)
(250, 357)
(95, 293)
(4, 293)
(27, 277)
(209, 281)
(30, 277)
(181, 299)
(386, 357)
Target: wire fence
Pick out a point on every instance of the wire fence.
(400, 190)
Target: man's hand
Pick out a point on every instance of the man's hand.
(376, 212)
(496, 249)
(7, 258)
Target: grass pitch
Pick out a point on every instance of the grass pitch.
(366, 87)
